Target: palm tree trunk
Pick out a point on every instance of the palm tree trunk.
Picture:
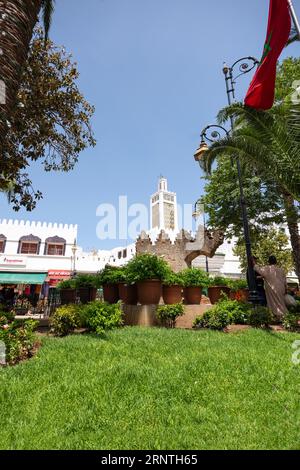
(17, 21)
(293, 226)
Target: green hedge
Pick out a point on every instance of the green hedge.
(96, 316)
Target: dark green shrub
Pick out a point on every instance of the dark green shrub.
(65, 320)
(111, 275)
(147, 267)
(240, 311)
(173, 279)
(67, 284)
(225, 313)
(82, 281)
(295, 309)
(101, 316)
(168, 314)
(237, 284)
(291, 321)
(194, 277)
(6, 317)
(260, 317)
(213, 319)
(19, 340)
(220, 281)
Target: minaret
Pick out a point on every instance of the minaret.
(163, 203)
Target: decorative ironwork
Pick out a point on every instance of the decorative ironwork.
(213, 133)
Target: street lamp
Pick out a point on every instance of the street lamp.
(245, 65)
(195, 215)
(74, 251)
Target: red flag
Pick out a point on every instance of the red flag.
(261, 93)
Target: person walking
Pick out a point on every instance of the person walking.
(275, 286)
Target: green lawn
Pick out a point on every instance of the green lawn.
(154, 389)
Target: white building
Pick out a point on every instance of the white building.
(35, 253)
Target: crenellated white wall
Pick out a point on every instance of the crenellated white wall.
(13, 230)
(85, 262)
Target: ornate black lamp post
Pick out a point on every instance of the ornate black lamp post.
(195, 215)
(245, 66)
(74, 251)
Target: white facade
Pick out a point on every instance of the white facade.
(13, 231)
(12, 260)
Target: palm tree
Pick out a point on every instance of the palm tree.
(270, 143)
(17, 21)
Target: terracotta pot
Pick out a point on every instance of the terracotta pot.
(87, 294)
(193, 295)
(128, 293)
(172, 294)
(149, 292)
(215, 293)
(111, 293)
(67, 296)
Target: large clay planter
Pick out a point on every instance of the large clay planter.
(87, 294)
(172, 295)
(149, 292)
(67, 296)
(111, 293)
(128, 293)
(215, 293)
(193, 295)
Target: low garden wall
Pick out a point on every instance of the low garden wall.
(145, 315)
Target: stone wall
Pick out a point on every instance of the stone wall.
(180, 254)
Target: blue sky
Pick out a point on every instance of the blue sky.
(153, 70)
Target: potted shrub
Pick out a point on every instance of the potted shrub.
(86, 287)
(148, 271)
(127, 288)
(108, 278)
(239, 290)
(194, 281)
(219, 286)
(172, 288)
(67, 291)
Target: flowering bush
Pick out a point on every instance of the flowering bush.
(291, 321)
(19, 339)
(65, 320)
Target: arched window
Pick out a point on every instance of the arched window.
(2, 243)
(29, 245)
(55, 246)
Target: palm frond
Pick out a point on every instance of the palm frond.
(47, 12)
(269, 141)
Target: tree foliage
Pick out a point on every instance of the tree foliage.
(267, 242)
(51, 123)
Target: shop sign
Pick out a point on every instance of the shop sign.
(12, 261)
(58, 273)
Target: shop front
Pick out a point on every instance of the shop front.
(54, 277)
(22, 292)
